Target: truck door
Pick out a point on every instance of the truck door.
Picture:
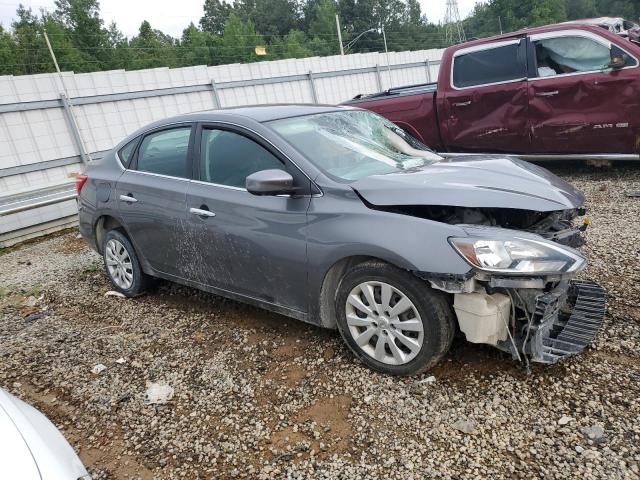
(485, 106)
(577, 104)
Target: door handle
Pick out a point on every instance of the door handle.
(462, 104)
(128, 198)
(202, 213)
(547, 94)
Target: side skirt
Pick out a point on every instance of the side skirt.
(272, 307)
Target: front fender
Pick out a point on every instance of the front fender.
(340, 227)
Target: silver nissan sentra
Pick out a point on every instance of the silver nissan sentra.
(337, 217)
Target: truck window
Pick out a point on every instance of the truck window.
(494, 65)
(574, 54)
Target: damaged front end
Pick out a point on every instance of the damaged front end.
(520, 232)
(521, 295)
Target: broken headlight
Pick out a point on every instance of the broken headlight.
(518, 255)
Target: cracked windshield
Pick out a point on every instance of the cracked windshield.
(354, 144)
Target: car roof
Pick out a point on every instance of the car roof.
(580, 24)
(244, 115)
(261, 113)
(266, 113)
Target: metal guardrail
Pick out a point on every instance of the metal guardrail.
(38, 204)
(37, 198)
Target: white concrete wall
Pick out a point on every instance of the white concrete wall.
(34, 136)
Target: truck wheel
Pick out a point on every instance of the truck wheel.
(122, 265)
(393, 321)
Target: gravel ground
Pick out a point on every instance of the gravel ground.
(258, 395)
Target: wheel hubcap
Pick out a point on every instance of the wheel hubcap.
(119, 264)
(384, 323)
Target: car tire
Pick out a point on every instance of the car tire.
(413, 339)
(122, 265)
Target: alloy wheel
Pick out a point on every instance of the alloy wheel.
(384, 323)
(119, 264)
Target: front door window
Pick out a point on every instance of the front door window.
(228, 158)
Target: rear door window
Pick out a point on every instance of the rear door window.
(494, 65)
(165, 152)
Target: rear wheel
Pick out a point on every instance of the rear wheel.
(391, 320)
(122, 265)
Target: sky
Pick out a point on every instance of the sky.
(173, 16)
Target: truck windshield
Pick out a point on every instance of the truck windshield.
(353, 144)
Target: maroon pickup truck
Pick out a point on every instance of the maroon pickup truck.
(560, 91)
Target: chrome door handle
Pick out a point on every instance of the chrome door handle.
(202, 213)
(547, 94)
(128, 199)
(462, 104)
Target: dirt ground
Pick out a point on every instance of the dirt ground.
(259, 395)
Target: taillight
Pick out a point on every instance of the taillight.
(80, 181)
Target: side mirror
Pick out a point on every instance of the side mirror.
(270, 182)
(617, 62)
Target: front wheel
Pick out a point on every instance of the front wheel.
(393, 321)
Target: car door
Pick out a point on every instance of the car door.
(485, 106)
(249, 245)
(576, 103)
(152, 195)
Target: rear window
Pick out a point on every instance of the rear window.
(499, 64)
(126, 152)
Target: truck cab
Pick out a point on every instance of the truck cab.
(554, 91)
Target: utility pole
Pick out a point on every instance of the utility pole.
(454, 32)
(339, 35)
(386, 52)
(84, 153)
(500, 23)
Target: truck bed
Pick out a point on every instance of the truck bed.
(396, 91)
(411, 107)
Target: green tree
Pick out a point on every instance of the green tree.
(239, 41)
(198, 47)
(619, 8)
(152, 48)
(31, 49)
(270, 17)
(323, 20)
(580, 9)
(322, 29)
(8, 57)
(295, 45)
(119, 53)
(216, 13)
(69, 57)
(414, 15)
(85, 27)
(513, 15)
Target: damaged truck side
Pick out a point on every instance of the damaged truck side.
(337, 217)
(567, 91)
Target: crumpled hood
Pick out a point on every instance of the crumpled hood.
(473, 181)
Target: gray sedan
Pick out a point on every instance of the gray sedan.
(337, 217)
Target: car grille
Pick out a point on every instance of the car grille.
(572, 331)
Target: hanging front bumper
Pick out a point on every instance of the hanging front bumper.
(567, 323)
